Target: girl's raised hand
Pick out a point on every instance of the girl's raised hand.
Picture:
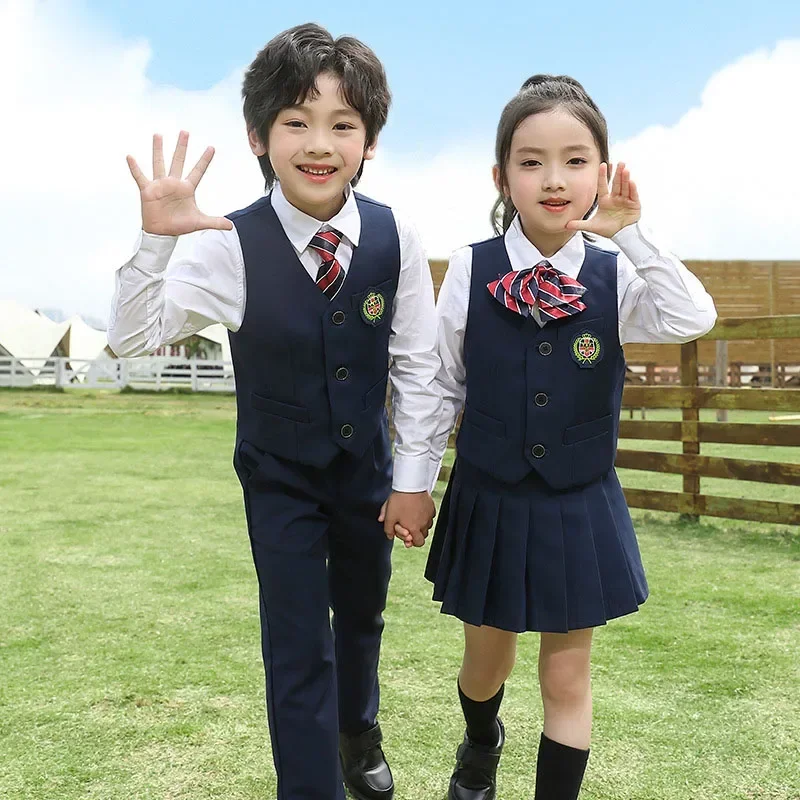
(168, 204)
(616, 209)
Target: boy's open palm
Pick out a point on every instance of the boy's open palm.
(168, 204)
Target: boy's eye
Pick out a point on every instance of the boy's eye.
(295, 123)
(344, 126)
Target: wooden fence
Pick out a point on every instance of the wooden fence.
(690, 398)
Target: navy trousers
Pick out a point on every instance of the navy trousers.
(318, 548)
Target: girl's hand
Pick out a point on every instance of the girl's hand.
(615, 209)
(168, 204)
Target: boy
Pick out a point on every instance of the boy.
(320, 289)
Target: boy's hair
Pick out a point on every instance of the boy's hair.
(540, 94)
(285, 73)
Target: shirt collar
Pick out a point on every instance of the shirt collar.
(300, 227)
(523, 254)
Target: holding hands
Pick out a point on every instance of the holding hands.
(408, 516)
(616, 209)
(168, 203)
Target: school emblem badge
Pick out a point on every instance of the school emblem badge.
(373, 308)
(587, 349)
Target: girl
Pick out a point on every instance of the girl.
(533, 533)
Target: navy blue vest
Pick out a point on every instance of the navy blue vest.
(544, 399)
(311, 373)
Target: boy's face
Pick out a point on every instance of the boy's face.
(316, 149)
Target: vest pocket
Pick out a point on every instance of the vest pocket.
(278, 409)
(588, 430)
(591, 447)
(483, 422)
(376, 395)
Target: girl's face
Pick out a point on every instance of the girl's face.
(551, 176)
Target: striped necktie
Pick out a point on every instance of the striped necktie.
(330, 276)
(553, 293)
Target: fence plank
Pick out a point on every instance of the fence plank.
(712, 506)
(711, 397)
(711, 466)
(733, 328)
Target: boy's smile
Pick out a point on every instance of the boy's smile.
(316, 148)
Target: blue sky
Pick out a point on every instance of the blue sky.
(452, 65)
(701, 104)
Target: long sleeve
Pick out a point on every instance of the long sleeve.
(452, 308)
(413, 365)
(660, 300)
(155, 305)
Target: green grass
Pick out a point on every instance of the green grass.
(129, 648)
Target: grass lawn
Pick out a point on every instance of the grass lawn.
(129, 647)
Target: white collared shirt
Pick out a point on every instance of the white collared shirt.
(658, 298)
(154, 306)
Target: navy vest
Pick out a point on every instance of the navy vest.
(311, 373)
(544, 399)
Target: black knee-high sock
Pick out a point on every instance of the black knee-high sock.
(481, 717)
(559, 770)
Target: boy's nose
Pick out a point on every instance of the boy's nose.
(319, 145)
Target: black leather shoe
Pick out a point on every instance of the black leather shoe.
(366, 774)
(474, 777)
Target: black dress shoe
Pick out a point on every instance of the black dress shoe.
(366, 774)
(474, 777)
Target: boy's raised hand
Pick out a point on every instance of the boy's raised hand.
(408, 516)
(168, 204)
(616, 209)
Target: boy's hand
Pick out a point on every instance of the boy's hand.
(168, 204)
(409, 516)
(615, 209)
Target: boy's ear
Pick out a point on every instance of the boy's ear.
(256, 145)
(369, 152)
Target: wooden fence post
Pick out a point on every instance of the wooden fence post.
(689, 432)
(721, 377)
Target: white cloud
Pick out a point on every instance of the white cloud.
(720, 183)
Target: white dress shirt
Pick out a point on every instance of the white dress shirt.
(658, 298)
(154, 306)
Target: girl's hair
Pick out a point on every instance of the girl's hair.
(540, 94)
(285, 73)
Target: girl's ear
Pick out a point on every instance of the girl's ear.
(256, 145)
(497, 181)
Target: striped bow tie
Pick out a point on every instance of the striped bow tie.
(554, 294)
(330, 276)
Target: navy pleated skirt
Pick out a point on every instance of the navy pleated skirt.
(525, 557)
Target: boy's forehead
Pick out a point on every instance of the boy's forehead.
(329, 92)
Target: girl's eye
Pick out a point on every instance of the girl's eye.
(577, 161)
(531, 163)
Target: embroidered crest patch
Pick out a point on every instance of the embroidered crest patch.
(373, 308)
(586, 349)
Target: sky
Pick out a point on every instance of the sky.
(702, 102)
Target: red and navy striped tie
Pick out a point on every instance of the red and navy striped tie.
(553, 293)
(330, 276)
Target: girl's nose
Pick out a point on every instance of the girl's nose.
(553, 181)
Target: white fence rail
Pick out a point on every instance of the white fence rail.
(152, 372)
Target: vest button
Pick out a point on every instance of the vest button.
(538, 451)
(545, 348)
(338, 317)
(347, 431)
(342, 374)
(541, 399)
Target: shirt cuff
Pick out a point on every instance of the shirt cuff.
(153, 251)
(637, 244)
(411, 473)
